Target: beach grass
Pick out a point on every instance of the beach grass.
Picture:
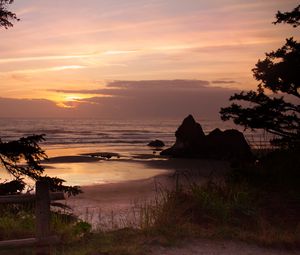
(258, 203)
(17, 221)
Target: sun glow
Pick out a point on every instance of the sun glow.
(73, 98)
(69, 100)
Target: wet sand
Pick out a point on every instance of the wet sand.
(122, 200)
(115, 186)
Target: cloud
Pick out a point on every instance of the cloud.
(29, 108)
(224, 82)
(20, 77)
(119, 52)
(48, 69)
(159, 84)
(121, 86)
(42, 58)
(153, 99)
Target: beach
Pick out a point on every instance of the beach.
(110, 160)
(125, 181)
(115, 189)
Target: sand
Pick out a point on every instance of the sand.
(118, 204)
(214, 247)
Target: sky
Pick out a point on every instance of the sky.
(133, 58)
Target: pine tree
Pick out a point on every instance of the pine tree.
(279, 74)
(6, 16)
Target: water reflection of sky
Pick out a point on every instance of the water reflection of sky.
(101, 172)
(96, 172)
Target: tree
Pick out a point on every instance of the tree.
(6, 16)
(292, 17)
(21, 158)
(278, 111)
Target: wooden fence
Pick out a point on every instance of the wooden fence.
(42, 198)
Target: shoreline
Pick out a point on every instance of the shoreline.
(117, 187)
(118, 204)
(112, 205)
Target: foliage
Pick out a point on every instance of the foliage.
(25, 149)
(258, 203)
(12, 187)
(18, 221)
(56, 184)
(6, 16)
(82, 228)
(277, 113)
(292, 17)
(205, 205)
(21, 158)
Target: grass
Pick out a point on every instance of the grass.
(16, 221)
(256, 203)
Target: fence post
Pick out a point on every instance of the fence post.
(42, 210)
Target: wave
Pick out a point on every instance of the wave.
(144, 142)
(134, 131)
(102, 132)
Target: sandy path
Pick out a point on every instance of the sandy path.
(210, 247)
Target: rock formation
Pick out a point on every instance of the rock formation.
(192, 142)
(227, 144)
(156, 143)
(189, 139)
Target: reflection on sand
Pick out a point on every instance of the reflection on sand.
(101, 172)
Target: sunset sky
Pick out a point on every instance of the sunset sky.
(86, 57)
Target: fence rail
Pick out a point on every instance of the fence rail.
(42, 199)
(26, 198)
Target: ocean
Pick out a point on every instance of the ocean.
(81, 132)
(129, 139)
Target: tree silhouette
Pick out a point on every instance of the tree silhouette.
(279, 73)
(21, 158)
(6, 16)
(292, 17)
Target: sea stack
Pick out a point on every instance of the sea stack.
(192, 142)
(156, 143)
(190, 139)
(228, 144)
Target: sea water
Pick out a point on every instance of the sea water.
(128, 138)
(83, 132)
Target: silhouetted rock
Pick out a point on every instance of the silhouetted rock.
(190, 139)
(228, 144)
(192, 142)
(156, 143)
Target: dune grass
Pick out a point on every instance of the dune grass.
(258, 203)
(16, 222)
